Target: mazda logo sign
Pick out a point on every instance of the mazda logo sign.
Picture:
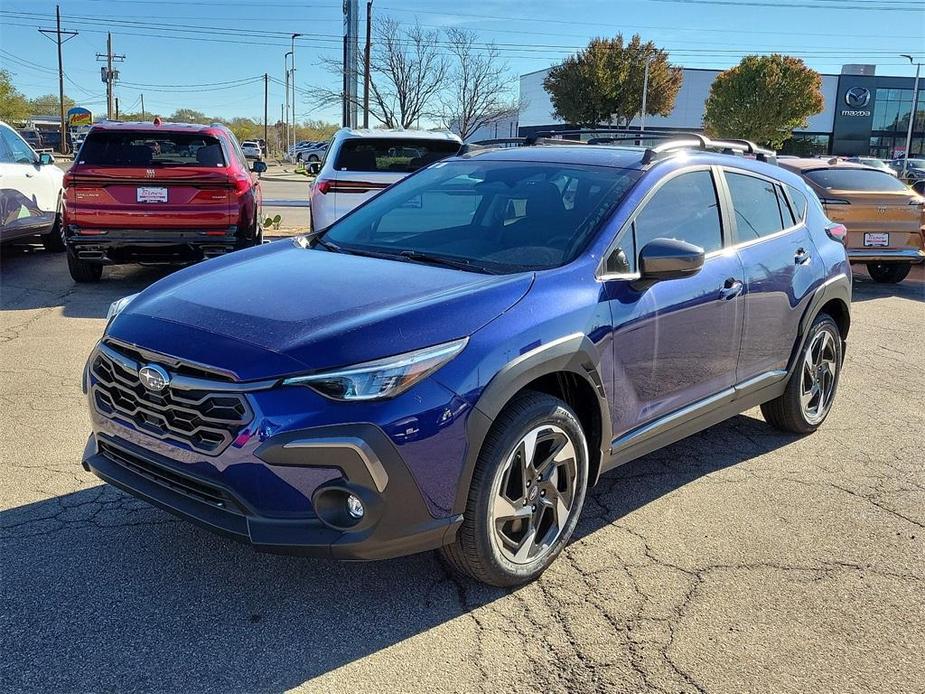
(857, 97)
(153, 377)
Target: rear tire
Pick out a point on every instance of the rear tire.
(811, 390)
(526, 495)
(54, 239)
(82, 271)
(888, 273)
(313, 158)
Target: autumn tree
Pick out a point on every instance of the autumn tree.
(47, 105)
(763, 99)
(478, 84)
(603, 83)
(14, 107)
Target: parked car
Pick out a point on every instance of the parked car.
(883, 215)
(170, 193)
(360, 163)
(454, 363)
(311, 152)
(30, 192)
(251, 149)
(910, 169)
(874, 163)
(33, 137)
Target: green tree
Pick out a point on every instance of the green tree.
(48, 105)
(603, 83)
(14, 107)
(763, 98)
(188, 115)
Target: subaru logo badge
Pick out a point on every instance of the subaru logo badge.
(857, 97)
(153, 377)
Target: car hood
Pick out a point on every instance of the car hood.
(282, 309)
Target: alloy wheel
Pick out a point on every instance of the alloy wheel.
(820, 368)
(533, 495)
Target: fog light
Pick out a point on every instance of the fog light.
(355, 507)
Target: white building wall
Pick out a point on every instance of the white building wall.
(688, 110)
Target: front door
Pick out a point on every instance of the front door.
(677, 342)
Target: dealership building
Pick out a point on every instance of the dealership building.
(864, 113)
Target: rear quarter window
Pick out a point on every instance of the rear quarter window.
(392, 154)
(860, 180)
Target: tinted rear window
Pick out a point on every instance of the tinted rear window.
(151, 149)
(855, 179)
(392, 154)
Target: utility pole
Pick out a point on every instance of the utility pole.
(109, 75)
(116, 99)
(369, 29)
(645, 93)
(143, 116)
(351, 48)
(286, 119)
(58, 34)
(294, 136)
(266, 93)
(912, 114)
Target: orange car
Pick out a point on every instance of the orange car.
(885, 218)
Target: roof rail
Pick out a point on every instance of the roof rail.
(705, 143)
(529, 141)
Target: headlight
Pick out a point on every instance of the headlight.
(383, 378)
(116, 307)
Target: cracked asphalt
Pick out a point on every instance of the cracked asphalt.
(739, 560)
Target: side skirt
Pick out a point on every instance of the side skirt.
(695, 417)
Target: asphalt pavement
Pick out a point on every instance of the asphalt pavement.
(739, 560)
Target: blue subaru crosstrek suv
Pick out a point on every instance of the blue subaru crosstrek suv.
(454, 363)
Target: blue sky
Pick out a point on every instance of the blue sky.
(201, 54)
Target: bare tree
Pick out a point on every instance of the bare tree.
(478, 84)
(407, 72)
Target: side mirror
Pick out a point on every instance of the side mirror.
(45, 159)
(667, 259)
(314, 167)
(259, 166)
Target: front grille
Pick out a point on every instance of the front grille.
(194, 488)
(204, 421)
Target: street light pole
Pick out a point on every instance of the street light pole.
(286, 119)
(912, 114)
(645, 93)
(294, 36)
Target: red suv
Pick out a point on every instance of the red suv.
(169, 193)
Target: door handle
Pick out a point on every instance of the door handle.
(731, 289)
(801, 257)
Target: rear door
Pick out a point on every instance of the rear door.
(781, 268)
(152, 180)
(365, 166)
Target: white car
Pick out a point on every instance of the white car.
(360, 163)
(251, 149)
(30, 192)
(309, 152)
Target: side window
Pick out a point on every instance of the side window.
(798, 198)
(20, 152)
(685, 208)
(756, 205)
(622, 258)
(784, 204)
(6, 154)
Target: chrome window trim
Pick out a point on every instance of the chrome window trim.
(602, 276)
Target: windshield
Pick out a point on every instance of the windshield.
(493, 216)
(115, 148)
(862, 180)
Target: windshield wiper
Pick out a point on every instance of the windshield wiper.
(316, 237)
(457, 263)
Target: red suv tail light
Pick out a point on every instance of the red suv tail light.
(242, 184)
(323, 186)
(68, 180)
(837, 232)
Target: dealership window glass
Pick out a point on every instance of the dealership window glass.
(869, 180)
(494, 216)
(400, 155)
(119, 148)
(684, 208)
(756, 206)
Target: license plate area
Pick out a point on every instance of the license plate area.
(876, 240)
(151, 194)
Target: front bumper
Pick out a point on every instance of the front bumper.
(886, 255)
(396, 521)
(168, 246)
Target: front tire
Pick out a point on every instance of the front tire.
(888, 273)
(54, 239)
(82, 271)
(526, 495)
(313, 158)
(810, 392)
